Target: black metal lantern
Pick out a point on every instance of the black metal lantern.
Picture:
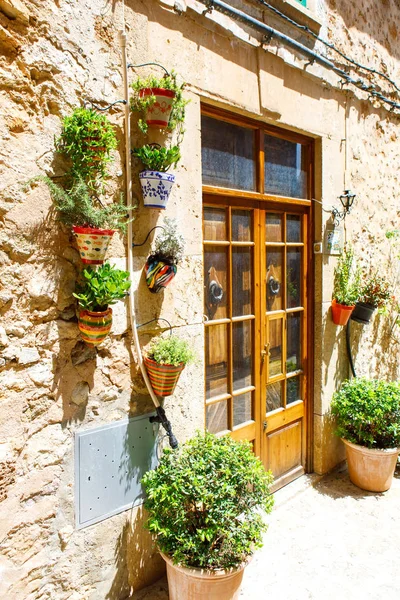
(347, 201)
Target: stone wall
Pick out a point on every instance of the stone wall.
(54, 55)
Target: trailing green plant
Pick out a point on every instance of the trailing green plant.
(155, 158)
(375, 290)
(368, 412)
(87, 138)
(169, 244)
(101, 287)
(168, 82)
(76, 205)
(204, 501)
(171, 350)
(346, 279)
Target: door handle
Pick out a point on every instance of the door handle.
(264, 352)
(265, 425)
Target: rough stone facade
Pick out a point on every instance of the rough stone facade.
(54, 55)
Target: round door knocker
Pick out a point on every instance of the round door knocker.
(215, 292)
(274, 286)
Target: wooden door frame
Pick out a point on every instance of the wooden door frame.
(259, 200)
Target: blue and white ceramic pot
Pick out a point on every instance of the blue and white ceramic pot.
(156, 188)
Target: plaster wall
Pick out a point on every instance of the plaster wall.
(55, 55)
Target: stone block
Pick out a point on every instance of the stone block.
(15, 9)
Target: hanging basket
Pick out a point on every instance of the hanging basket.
(159, 273)
(363, 312)
(157, 115)
(163, 378)
(92, 243)
(156, 188)
(341, 313)
(94, 326)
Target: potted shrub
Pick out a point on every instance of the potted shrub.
(92, 222)
(87, 138)
(375, 293)
(162, 264)
(165, 361)
(368, 421)
(156, 183)
(204, 502)
(98, 289)
(160, 100)
(346, 283)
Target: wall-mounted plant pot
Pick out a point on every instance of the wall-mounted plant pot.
(159, 273)
(156, 188)
(363, 312)
(341, 313)
(157, 115)
(163, 378)
(92, 243)
(94, 326)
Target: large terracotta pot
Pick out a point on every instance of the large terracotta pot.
(156, 188)
(157, 115)
(92, 243)
(371, 469)
(341, 313)
(163, 378)
(94, 326)
(197, 584)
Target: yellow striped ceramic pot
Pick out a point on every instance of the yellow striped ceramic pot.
(92, 243)
(94, 326)
(163, 378)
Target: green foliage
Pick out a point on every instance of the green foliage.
(375, 290)
(87, 138)
(169, 244)
(204, 501)
(368, 412)
(159, 159)
(77, 206)
(346, 279)
(101, 287)
(168, 82)
(171, 350)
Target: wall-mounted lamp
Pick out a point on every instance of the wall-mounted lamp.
(347, 200)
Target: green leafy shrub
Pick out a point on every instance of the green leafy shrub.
(346, 279)
(169, 244)
(375, 290)
(368, 412)
(171, 350)
(168, 82)
(156, 158)
(87, 138)
(102, 287)
(204, 501)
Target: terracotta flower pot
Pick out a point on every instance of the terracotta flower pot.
(156, 188)
(94, 326)
(371, 469)
(341, 313)
(159, 273)
(157, 115)
(163, 378)
(186, 583)
(363, 312)
(92, 243)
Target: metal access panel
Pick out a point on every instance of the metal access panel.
(109, 464)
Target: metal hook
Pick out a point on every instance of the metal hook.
(130, 66)
(157, 319)
(147, 236)
(103, 109)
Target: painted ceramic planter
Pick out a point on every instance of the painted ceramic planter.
(92, 243)
(163, 378)
(341, 313)
(371, 469)
(159, 273)
(94, 326)
(156, 188)
(157, 115)
(199, 584)
(363, 312)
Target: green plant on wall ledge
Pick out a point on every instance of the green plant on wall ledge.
(155, 158)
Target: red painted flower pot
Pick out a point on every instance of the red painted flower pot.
(157, 115)
(163, 378)
(94, 326)
(341, 313)
(92, 243)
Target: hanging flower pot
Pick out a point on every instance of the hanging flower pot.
(163, 378)
(159, 273)
(94, 326)
(156, 188)
(341, 313)
(363, 312)
(92, 243)
(158, 113)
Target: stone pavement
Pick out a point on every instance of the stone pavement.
(327, 540)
